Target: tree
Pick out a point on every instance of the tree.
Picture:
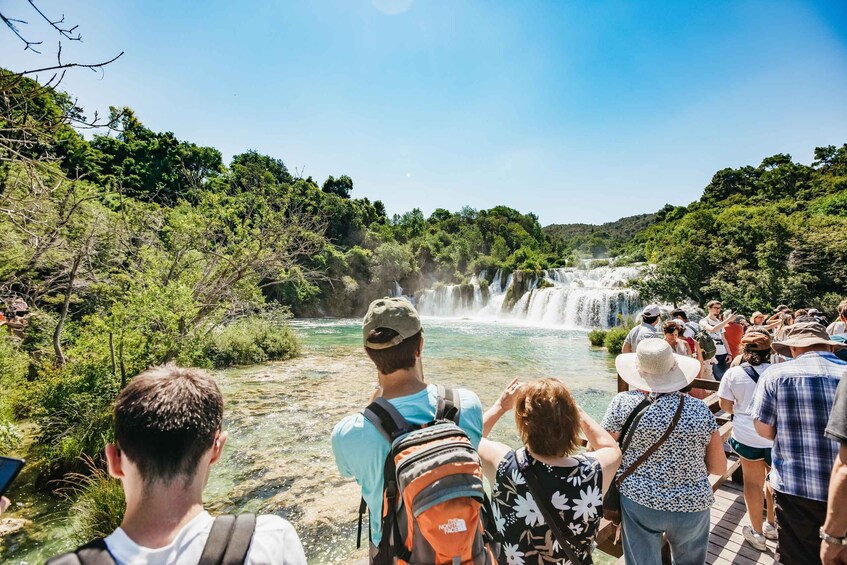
(252, 171)
(342, 186)
(33, 114)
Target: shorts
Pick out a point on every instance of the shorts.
(751, 453)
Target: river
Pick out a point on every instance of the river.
(280, 415)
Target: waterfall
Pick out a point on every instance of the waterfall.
(397, 290)
(568, 297)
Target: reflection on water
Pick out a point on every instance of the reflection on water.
(279, 416)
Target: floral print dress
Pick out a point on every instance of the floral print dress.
(576, 493)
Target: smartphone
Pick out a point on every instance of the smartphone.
(9, 469)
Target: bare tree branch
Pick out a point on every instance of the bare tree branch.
(64, 32)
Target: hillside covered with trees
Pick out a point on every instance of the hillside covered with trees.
(759, 236)
(132, 248)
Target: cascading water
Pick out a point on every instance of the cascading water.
(568, 297)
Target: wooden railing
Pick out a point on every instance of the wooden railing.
(607, 538)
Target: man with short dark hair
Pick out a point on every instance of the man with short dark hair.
(393, 340)
(167, 436)
(791, 406)
(650, 317)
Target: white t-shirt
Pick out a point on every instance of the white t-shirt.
(639, 333)
(738, 387)
(836, 328)
(274, 543)
(720, 348)
(689, 328)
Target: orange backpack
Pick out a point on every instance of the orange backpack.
(435, 510)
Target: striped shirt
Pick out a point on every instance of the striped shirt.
(796, 397)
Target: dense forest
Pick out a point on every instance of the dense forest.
(132, 247)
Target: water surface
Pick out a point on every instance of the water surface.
(279, 416)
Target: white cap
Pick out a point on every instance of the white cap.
(651, 310)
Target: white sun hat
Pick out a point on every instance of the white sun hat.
(654, 367)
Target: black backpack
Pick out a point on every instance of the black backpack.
(227, 544)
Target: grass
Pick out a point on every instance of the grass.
(98, 503)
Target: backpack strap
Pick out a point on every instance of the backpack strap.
(229, 540)
(386, 419)
(94, 552)
(448, 405)
(751, 372)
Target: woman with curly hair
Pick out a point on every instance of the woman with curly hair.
(547, 477)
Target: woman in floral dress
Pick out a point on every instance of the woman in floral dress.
(549, 421)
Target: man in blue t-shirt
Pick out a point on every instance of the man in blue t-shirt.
(393, 340)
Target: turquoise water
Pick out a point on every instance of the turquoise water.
(279, 416)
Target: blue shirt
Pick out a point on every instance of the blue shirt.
(360, 450)
(796, 397)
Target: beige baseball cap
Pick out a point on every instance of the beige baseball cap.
(396, 314)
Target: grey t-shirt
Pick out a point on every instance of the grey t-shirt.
(837, 427)
(639, 333)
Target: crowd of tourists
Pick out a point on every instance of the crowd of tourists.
(421, 453)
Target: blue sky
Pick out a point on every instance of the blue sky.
(576, 111)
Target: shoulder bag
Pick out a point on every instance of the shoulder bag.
(612, 500)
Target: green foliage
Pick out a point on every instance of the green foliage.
(13, 368)
(342, 186)
(613, 341)
(597, 337)
(759, 236)
(252, 340)
(602, 240)
(72, 407)
(98, 503)
(10, 437)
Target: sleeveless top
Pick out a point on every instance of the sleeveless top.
(576, 493)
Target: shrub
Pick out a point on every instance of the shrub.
(13, 368)
(614, 339)
(98, 503)
(252, 340)
(73, 410)
(10, 437)
(597, 337)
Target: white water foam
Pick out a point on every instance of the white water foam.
(572, 298)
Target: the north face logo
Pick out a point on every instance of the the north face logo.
(453, 526)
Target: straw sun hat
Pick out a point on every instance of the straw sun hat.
(654, 367)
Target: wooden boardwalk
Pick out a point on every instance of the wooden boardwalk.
(726, 544)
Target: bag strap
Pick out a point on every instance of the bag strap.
(387, 419)
(544, 503)
(653, 448)
(448, 405)
(239, 542)
(229, 540)
(94, 552)
(751, 372)
(631, 421)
